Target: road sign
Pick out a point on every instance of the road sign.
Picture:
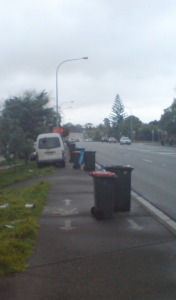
(58, 130)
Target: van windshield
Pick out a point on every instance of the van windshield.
(48, 143)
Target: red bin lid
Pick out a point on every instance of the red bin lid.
(76, 151)
(102, 174)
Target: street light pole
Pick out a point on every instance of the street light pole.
(57, 105)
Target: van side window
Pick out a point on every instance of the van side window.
(49, 143)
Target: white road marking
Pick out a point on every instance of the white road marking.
(146, 160)
(134, 225)
(66, 212)
(67, 226)
(167, 153)
(67, 202)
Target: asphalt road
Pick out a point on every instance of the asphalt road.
(154, 171)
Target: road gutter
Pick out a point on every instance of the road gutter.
(162, 217)
(158, 214)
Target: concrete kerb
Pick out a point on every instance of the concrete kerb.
(158, 214)
(161, 217)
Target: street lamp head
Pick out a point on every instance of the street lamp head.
(85, 57)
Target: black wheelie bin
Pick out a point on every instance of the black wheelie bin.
(122, 187)
(104, 194)
(71, 147)
(89, 160)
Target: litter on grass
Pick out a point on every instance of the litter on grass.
(4, 205)
(9, 226)
(29, 205)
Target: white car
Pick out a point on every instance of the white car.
(112, 140)
(125, 140)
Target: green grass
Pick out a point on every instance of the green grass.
(23, 172)
(19, 225)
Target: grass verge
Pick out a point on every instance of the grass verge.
(19, 217)
(22, 172)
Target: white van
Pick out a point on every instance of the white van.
(50, 149)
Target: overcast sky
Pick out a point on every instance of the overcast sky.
(131, 45)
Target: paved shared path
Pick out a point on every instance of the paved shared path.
(132, 256)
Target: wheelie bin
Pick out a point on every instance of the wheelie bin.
(122, 187)
(71, 147)
(81, 157)
(104, 194)
(79, 149)
(76, 156)
(89, 160)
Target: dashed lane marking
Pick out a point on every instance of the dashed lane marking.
(146, 160)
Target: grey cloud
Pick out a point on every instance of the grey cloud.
(130, 44)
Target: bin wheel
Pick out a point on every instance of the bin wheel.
(99, 215)
(93, 211)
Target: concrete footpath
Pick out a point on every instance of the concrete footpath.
(132, 256)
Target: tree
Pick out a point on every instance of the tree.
(117, 115)
(23, 118)
(88, 126)
(31, 111)
(130, 127)
(168, 119)
(14, 142)
(107, 125)
(66, 131)
(148, 132)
